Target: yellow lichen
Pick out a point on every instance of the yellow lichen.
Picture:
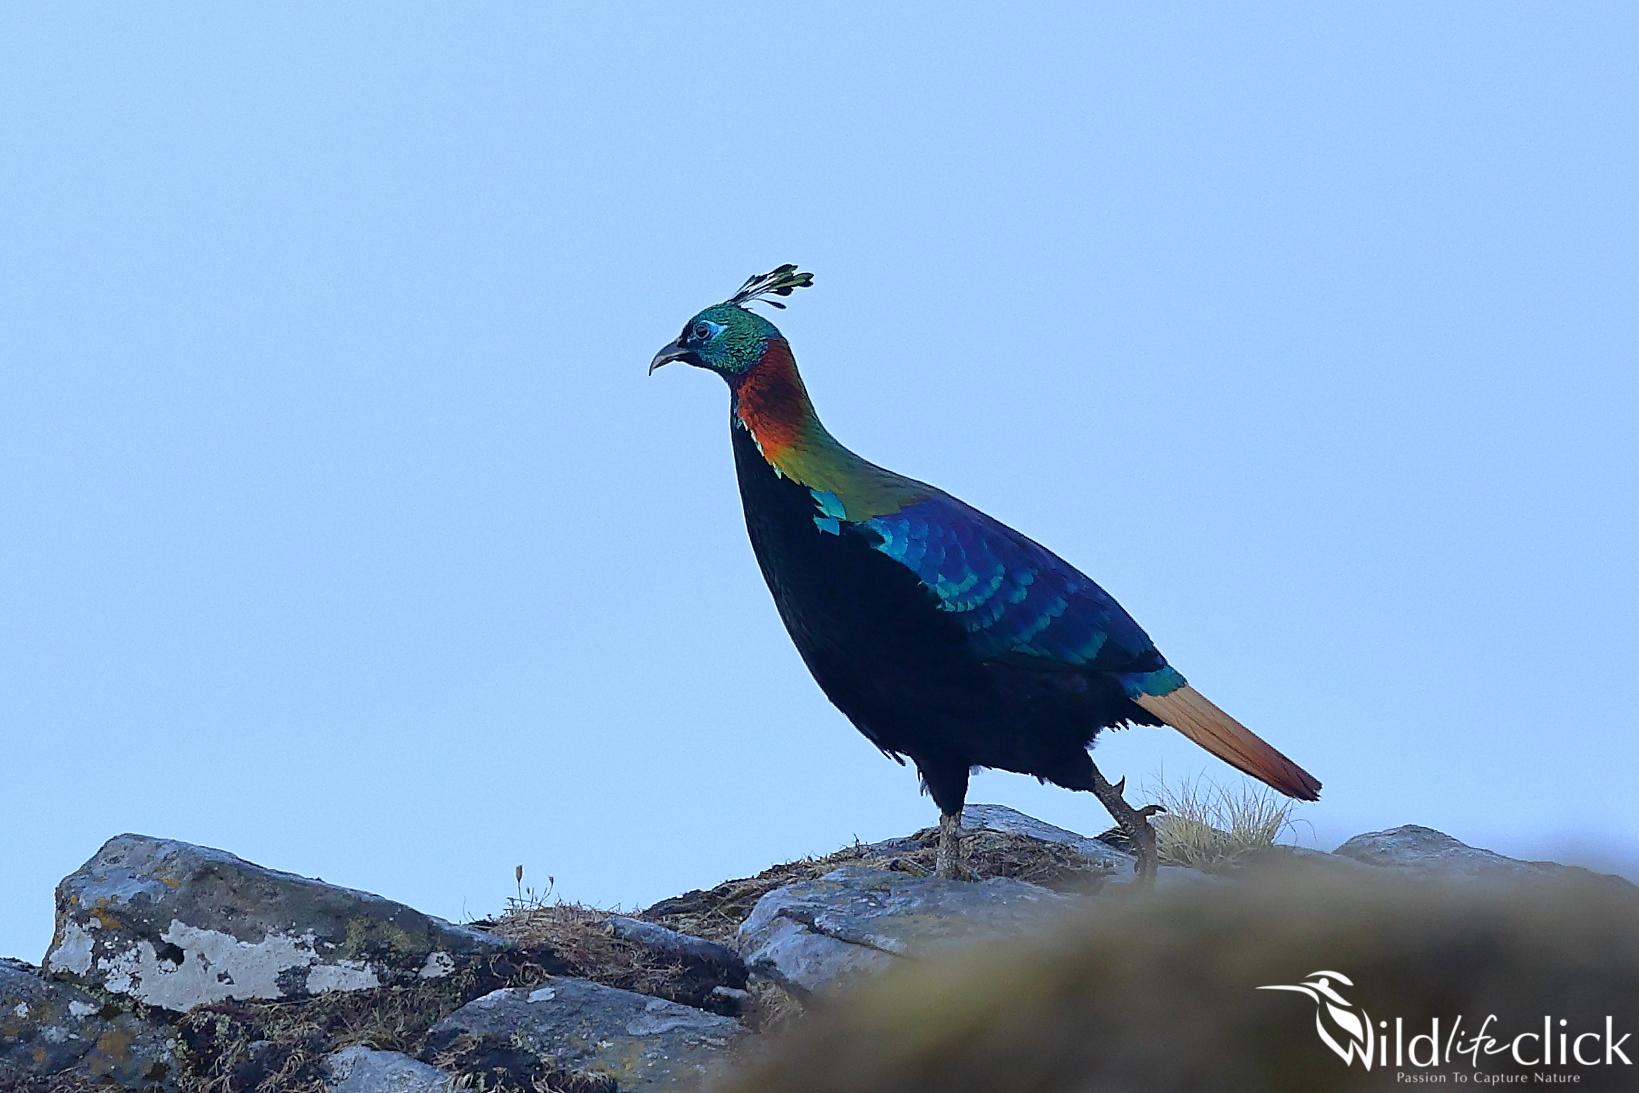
(105, 918)
(113, 1048)
(367, 936)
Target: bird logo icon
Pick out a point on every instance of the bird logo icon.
(1343, 1026)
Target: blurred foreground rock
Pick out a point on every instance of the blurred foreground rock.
(1163, 994)
(178, 967)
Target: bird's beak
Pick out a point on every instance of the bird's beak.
(672, 352)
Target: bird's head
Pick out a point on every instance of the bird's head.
(727, 338)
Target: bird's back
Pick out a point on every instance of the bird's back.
(933, 626)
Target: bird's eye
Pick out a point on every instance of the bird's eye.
(701, 331)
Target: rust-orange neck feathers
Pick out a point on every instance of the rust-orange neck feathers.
(771, 403)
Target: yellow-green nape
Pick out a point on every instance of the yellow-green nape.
(780, 281)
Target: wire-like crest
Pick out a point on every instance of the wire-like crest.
(776, 282)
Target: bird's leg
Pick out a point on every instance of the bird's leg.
(1134, 821)
(948, 860)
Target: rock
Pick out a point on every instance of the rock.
(1013, 822)
(575, 1034)
(48, 1027)
(713, 976)
(178, 926)
(361, 1069)
(663, 940)
(1259, 866)
(819, 933)
(1118, 862)
(1412, 847)
(977, 818)
(1162, 994)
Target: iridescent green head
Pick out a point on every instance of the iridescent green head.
(727, 338)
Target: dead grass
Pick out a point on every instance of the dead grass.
(716, 913)
(280, 1047)
(1215, 827)
(70, 1082)
(577, 934)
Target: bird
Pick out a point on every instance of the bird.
(1346, 1032)
(945, 636)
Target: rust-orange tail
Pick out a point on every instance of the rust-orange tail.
(1191, 713)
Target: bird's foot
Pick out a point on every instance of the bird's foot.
(948, 863)
(1135, 823)
(1148, 860)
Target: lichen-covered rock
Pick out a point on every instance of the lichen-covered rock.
(819, 933)
(361, 1069)
(1424, 849)
(575, 1034)
(1011, 821)
(47, 1028)
(178, 926)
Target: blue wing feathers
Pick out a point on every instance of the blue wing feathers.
(1014, 597)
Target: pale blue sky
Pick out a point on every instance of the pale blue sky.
(343, 529)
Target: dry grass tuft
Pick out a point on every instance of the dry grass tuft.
(1214, 827)
(716, 913)
(70, 1082)
(578, 936)
(279, 1047)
